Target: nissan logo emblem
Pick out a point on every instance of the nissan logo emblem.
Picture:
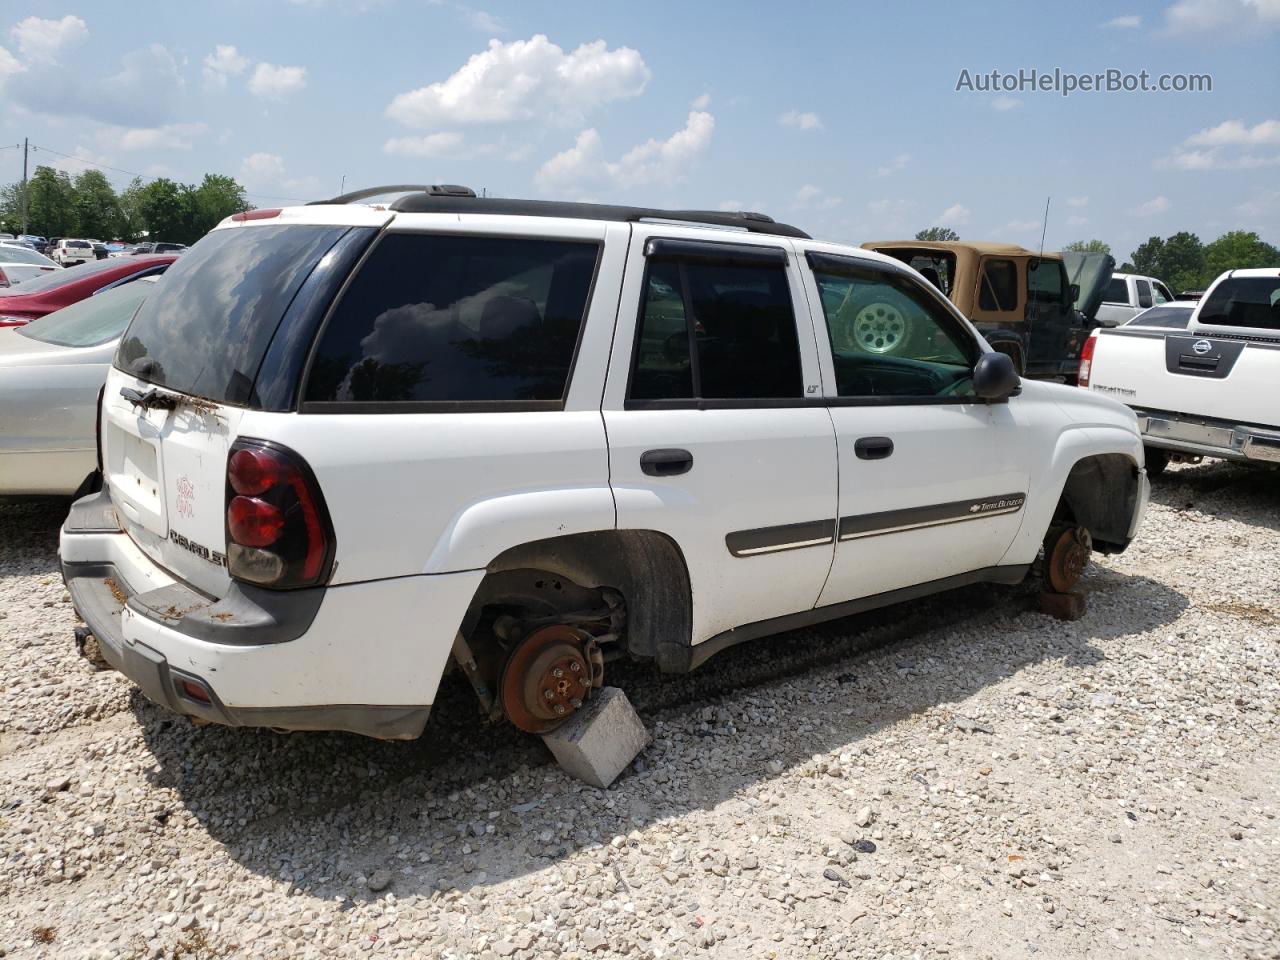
(1202, 347)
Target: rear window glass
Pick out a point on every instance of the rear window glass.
(999, 290)
(10, 253)
(1117, 291)
(92, 321)
(743, 344)
(208, 326)
(78, 244)
(1244, 302)
(454, 319)
(51, 281)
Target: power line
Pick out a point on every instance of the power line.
(140, 176)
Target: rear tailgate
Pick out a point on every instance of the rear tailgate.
(1223, 379)
(188, 370)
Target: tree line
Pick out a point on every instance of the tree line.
(1182, 261)
(59, 205)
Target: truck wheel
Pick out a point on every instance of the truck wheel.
(1157, 460)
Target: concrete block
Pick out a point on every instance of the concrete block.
(600, 740)
(1064, 606)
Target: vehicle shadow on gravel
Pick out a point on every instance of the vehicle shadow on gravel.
(472, 804)
(1227, 490)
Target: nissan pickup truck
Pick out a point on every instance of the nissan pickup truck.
(584, 433)
(1212, 390)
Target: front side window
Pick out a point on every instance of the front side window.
(711, 331)
(457, 319)
(889, 336)
(998, 287)
(1244, 302)
(1160, 293)
(1046, 282)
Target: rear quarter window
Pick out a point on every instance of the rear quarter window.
(453, 322)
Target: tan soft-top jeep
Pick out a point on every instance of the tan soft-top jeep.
(1036, 307)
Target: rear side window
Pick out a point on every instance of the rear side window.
(715, 331)
(207, 327)
(1244, 302)
(457, 320)
(1117, 291)
(999, 286)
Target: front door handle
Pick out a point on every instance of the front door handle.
(667, 462)
(873, 448)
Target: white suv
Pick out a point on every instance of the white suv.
(68, 253)
(346, 447)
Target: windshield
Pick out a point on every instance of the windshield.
(1173, 318)
(13, 254)
(208, 327)
(51, 281)
(94, 320)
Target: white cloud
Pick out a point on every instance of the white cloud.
(954, 216)
(803, 121)
(1234, 132)
(174, 136)
(262, 169)
(701, 102)
(1075, 220)
(273, 82)
(42, 41)
(224, 62)
(482, 21)
(1264, 204)
(1077, 201)
(525, 80)
(1129, 21)
(894, 165)
(1238, 18)
(145, 92)
(660, 161)
(9, 65)
(1152, 207)
(1005, 103)
(431, 145)
(730, 206)
(1215, 158)
(812, 196)
(1022, 226)
(654, 161)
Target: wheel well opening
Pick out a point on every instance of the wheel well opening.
(1101, 495)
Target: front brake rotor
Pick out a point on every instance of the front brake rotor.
(548, 676)
(1066, 556)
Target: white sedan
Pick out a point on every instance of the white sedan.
(19, 262)
(51, 371)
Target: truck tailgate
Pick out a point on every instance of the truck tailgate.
(1230, 379)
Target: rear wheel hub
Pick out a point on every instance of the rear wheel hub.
(1066, 556)
(548, 677)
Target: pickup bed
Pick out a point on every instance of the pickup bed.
(1211, 391)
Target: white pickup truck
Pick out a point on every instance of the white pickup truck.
(1127, 295)
(1213, 391)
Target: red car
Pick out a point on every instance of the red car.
(44, 294)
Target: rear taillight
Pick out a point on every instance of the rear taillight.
(1086, 359)
(278, 529)
(4, 279)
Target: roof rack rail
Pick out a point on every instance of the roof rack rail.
(435, 201)
(430, 189)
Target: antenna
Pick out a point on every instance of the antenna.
(1045, 228)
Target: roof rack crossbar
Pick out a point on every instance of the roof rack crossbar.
(430, 189)
(435, 202)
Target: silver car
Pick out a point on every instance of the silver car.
(51, 371)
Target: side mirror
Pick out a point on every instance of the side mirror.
(1074, 294)
(994, 377)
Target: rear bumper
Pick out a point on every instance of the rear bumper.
(1199, 436)
(367, 661)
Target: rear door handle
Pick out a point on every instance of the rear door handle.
(669, 462)
(873, 448)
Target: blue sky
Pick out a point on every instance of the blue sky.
(842, 118)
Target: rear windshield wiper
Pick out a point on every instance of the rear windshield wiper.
(153, 399)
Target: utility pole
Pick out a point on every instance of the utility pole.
(24, 186)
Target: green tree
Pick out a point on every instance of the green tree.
(1177, 260)
(1088, 246)
(1236, 250)
(163, 210)
(131, 227)
(97, 207)
(11, 208)
(51, 210)
(937, 233)
(216, 198)
(1146, 259)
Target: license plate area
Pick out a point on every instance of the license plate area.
(134, 475)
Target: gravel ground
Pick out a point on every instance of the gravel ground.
(962, 777)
